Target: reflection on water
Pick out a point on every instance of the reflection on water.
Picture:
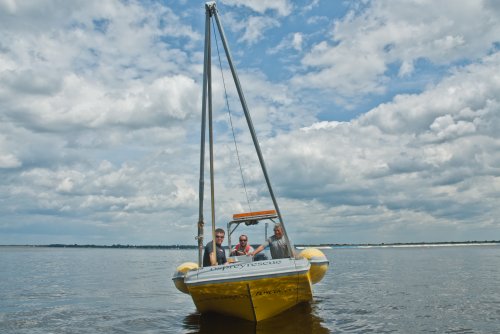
(299, 319)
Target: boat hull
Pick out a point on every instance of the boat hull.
(252, 291)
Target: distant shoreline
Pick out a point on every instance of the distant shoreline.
(344, 245)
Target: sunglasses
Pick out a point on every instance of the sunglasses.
(243, 239)
(219, 236)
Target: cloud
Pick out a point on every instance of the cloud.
(255, 28)
(83, 104)
(100, 112)
(281, 7)
(293, 41)
(427, 156)
(84, 64)
(77, 79)
(366, 43)
(467, 96)
(9, 161)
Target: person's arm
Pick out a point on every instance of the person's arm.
(206, 256)
(257, 251)
(260, 248)
(233, 252)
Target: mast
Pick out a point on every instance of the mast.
(201, 222)
(213, 8)
(213, 258)
(207, 100)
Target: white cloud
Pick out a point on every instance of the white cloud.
(8, 5)
(82, 104)
(297, 41)
(281, 7)
(255, 28)
(74, 71)
(100, 109)
(470, 95)
(292, 41)
(363, 45)
(425, 156)
(9, 161)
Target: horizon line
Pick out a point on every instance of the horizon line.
(177, 246)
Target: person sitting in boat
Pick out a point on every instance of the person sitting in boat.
(220, 252)
(243, 247)
(276, 243)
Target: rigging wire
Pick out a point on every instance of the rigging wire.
(230, 118)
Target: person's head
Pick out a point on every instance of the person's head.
(278, 231)
(219, 236)
(243, 240)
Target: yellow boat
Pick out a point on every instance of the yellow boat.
(252, 290)
(247, 287)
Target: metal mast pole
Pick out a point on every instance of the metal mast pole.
(201, 223)
(213, 259)
(250, 123)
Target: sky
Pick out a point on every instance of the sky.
(379, 121)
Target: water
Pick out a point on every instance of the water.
(377, 290)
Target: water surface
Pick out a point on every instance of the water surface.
(376, 290)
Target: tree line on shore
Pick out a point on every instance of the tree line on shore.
(297, 245)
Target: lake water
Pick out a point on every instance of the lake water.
(375, 290)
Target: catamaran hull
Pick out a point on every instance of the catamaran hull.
(252, 291)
